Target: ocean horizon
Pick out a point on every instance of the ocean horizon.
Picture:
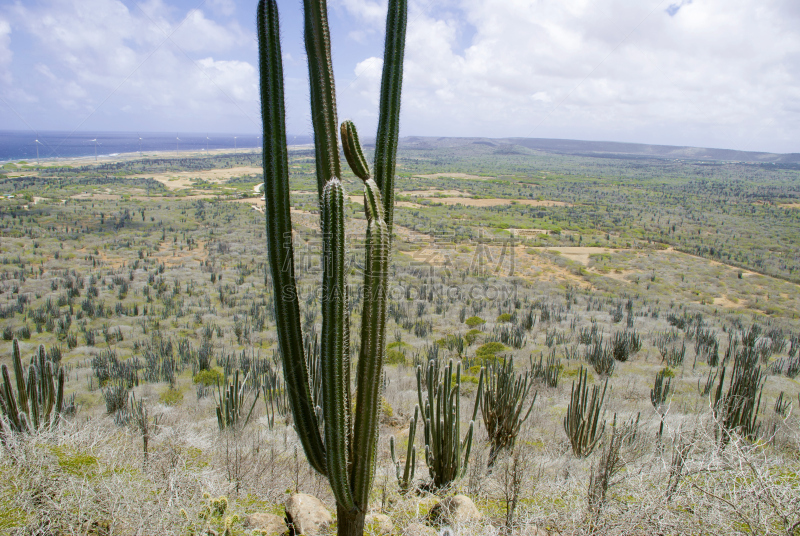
(22, 145)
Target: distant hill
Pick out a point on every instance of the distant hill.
(603, 149)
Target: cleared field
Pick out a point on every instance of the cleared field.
(473, 202)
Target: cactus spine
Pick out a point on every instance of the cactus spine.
(40, 396)
(345, 449)
(441, 414)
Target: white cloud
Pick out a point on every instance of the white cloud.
(5, 51)
(154, 61)
(711, 72)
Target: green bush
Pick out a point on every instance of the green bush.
(505, 317)
(489, 350)
(471, 336)
(207, 377)
(395, 357)
(171, 397)
(474, 321)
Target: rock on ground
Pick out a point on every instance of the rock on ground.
(454, 511)
(307, 514)
(418, 529)
(269, 524)
(379, 523)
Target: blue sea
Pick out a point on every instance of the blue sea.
(21, 145)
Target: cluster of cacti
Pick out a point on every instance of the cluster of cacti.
(659, 395)
(673, 355)
(231, 404)
(446, 454)
(405, 478)
(548, 372)
(345, 449)
(143, 422)
(610, 464)
(600, 357)
(660, 391)
(736, 410)
(704, 387)
(116, 398)
(276, 399)
(502, 405)
(582, 422)
(39, 401)
(624, 344)
(783, 405)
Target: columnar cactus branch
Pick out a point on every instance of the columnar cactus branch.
(352, 151)
(373, 344)
(335, 330)
(389, 120)
(279, 234)
(322, 91)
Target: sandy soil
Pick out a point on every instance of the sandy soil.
(433, 191)
(184, 179)
(453, 176)
(526, 232)
(789, 205)
(493, 202)
(579, 254)
(406, 204)
(725, 302)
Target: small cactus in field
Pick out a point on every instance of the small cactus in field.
(446, 454)
(502, 404)
(343, 447)
(582, 422)
(39, 401)
(231, 405)
(659, 395)
(405, 478)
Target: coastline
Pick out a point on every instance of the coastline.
(128, 156)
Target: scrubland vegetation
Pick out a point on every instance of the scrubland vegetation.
(669, 287)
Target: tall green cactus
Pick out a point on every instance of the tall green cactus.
(446, 454)
(345, 450)
(40, 396)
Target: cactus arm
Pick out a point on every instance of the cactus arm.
(411, 453)
(322, 91)
(373, 344)
(467, 448)
(19, 375)
(33, 400)
(10, 405)
(352, 150)
(335, 330)
(478, 396)
(389, 120)
(59, 407)
(279, 234)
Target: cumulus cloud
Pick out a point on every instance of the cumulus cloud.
(5, 51)
(104, 56)
(722, 73)
(716, 72)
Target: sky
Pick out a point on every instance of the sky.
(708, 73)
